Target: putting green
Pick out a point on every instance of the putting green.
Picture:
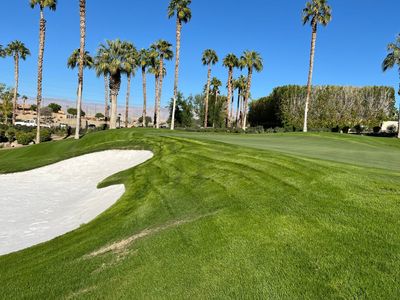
(205, 219)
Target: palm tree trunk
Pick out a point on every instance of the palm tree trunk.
(310, 75)
(398, 126)
(115, 84)
(246, 99)
(16, 76)
(228, 100)
(144, 114)
(157, 81)
(23, 109)
(178, 51)
(232, 105)
(42, 39)
(106, 98)
(82, 12)
(238, 109)
(160, 84)
(128, 94)
(207, 96)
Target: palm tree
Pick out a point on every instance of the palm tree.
(144, 62)
(316, 12)
(98, 62)
(2, 52)
(240, 84)
(252, 61)
(52, 5)
(17, 50)
(393, 60)
(215, 84)
(209, 59)
(230, 62)
(131, 55)
(183, 15)
(154, 69)
(81, 65)
(113, 62)
(164, 52)
(24, 98)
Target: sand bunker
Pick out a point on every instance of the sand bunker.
(39, 205)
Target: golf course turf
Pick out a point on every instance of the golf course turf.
(293, 216)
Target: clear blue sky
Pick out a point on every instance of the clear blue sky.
(349, 51)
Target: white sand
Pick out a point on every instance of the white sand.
(39, 205)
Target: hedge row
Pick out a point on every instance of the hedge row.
(330, 107)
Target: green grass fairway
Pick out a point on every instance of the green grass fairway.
(293, 216)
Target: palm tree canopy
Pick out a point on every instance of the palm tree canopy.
(144, 59)
(51, 4)
(131, 57)
(240, 83)
(2, 51)
(210, 57)
(163, 49)
(317, 12)
(17, 48)
(231, 61)
(181, 9)
(393, 57)
(73, 60)
(251, 60)
(111, 58)
(216, 84)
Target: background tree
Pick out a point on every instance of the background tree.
(17, 50)
(154, 69)
(113, 62)
(393, 60)
(230, 62)
(316, 12)
(131, 55)
(215, 85)
(73, 112)
(240, 84)
(252, 61)
(55, 108)
(183, 113)
(209, 59)
(144, 61)
(52, 5)
(99, 116)
(73, 60)
(24, 99)
(6, 105)
(164, 51)
(98, 63)
(181, 9)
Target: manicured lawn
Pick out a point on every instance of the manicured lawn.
(205, 219)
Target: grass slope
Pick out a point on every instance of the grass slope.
(204, 219)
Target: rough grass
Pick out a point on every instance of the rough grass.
(219, 220)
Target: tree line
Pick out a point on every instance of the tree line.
(115, 59)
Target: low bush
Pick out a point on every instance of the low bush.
(45, 135)
(11, 134)
(25, 138)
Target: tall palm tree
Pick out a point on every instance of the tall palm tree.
(131, 55)
(52, 5)
(2, 52)
(81, 65)
(316, 12)
(215, 84)
(144, 62)
(393, 60)
(183, 15)
(252, 61)
(112, 62)
(240, 84)
(209, 59)
(98, 63)
(230, 61)
(17, 50)
(154, 69)
(164, 51)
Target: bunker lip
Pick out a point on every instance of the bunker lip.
(44, 203)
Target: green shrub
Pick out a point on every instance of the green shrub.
(24, 138)
(45, 135)
(11, 134)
